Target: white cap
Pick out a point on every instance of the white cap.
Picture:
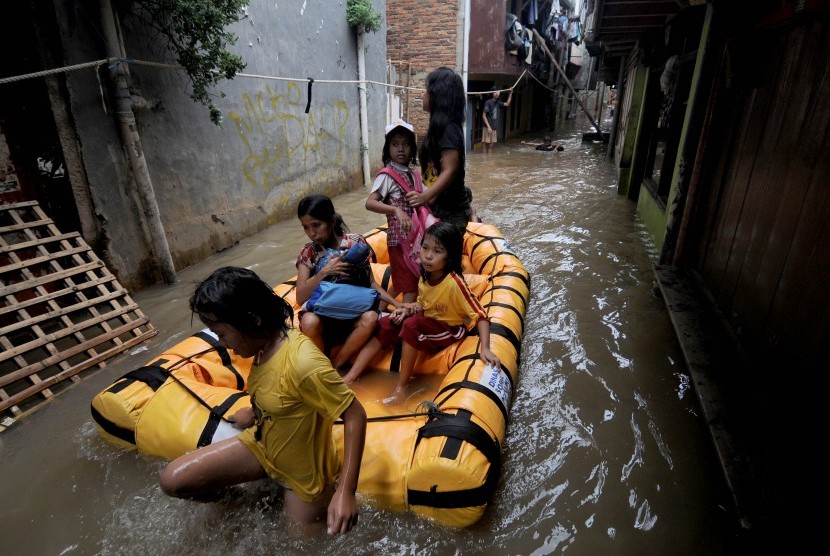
(399, 123)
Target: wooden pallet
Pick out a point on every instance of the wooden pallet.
(61, 310)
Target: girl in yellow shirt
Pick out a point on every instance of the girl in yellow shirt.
(444, 312)
(296, 396)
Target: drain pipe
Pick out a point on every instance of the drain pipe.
(364, 119)
(465, 64)
(132, 143)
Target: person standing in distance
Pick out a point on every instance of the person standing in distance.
(489, 135)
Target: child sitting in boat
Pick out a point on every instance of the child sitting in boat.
(320, 260)
(444, 312)
(388, 196)
(296, 397)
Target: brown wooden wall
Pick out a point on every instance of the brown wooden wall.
(760, 234)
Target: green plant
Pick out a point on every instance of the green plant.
(361, 13)
(196, 33)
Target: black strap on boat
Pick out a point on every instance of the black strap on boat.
(512, 273)
(510, 289)
(484, 239)
(224, 356)
(470, 385)
(155, 375)
(459, 428)
(213, 410)
(387, 276)
(395, 362)
(505, 306)
(215, 417)
(502, 331)
(127, 435)
(496, 255)
(152, 375)
(507, 334)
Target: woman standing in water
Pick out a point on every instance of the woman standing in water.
(442, 153)
(295, 394)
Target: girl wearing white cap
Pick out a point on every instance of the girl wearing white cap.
(388, 196)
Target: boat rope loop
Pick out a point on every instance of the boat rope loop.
(224, 356)
(426, 408)
(459, 428)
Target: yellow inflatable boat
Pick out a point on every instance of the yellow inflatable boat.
(438, 457)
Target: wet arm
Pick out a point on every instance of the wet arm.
(343, 510)
(306, 282)
(243, 418)
(384, 295)
(374, 204)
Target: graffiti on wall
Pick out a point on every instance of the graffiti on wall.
(283, 142)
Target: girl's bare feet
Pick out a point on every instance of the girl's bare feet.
(398, 397)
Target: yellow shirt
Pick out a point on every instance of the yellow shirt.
(450, 301)
(297, 395)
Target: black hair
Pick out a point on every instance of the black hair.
(469, 193)
(413, 147)
(321, 208)
(450, 237)
(447, 104)
(238, 297)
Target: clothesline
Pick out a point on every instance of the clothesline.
(116, 61)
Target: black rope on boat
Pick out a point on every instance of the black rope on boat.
(431, 411)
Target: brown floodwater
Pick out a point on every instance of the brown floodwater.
(606, 450)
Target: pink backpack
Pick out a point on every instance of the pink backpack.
(422, 218)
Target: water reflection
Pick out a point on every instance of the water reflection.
(605, 449)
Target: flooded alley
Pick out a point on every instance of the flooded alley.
(606, 450)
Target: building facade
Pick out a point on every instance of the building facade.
(210, 186)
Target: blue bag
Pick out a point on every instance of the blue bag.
(342, 301)
(357, 255)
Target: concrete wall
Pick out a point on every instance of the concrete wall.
(218, 185)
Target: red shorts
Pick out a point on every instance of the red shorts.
(422, 333)
(402, 277)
